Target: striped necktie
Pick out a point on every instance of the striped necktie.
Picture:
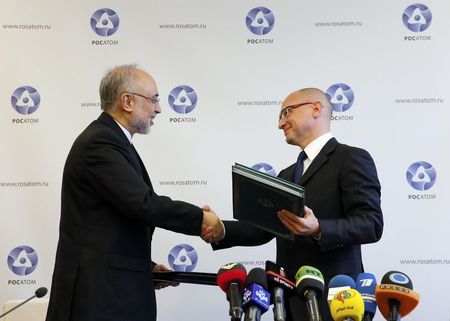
(299, 167)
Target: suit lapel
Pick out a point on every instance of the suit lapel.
(319, 160)
(133, 156)
(142, 167)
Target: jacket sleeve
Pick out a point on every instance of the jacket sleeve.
(242, 234)
(107, 171)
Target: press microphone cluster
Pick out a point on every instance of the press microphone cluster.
(358, 301)
(39, 293)
(251, 295)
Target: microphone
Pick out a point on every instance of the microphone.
(395, 296)
(310, 284)
(347, 305)
(366, 284)
(230, 279)
(338, 283)
(39, 293)
(256, 299)
(278, 282)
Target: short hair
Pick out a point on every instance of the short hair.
(116, 81)
(318, 94)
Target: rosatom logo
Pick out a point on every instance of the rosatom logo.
(22, 260)
(399, 278)
(417, 17)
(183, 257)
(105, 22)
(341, 97)
(265, 168)
(421, 175)
(182, 99)
(260, 21)
(25, 100)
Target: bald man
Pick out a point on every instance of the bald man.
(109, 210)
(342, 201)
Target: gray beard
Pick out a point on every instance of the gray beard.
(141, 126)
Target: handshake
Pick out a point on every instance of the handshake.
(212, 227)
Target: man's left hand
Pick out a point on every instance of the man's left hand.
(308, 225)
(160, 284)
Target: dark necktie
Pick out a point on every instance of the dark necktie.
(299, 167)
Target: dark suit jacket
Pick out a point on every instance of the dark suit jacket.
(103, 268)
(342, 189)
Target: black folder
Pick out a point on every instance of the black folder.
(186, 277)
(257, 197)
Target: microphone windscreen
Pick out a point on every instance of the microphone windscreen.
(338, 283)
(256, 295)
(229, 273)
(277, 276)
(347, 305)
(258, 276)
(396, 277)
(407, 298)
(366, 284)
(41, 292)
(309, 278)
(397, 286)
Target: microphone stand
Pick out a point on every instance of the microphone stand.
(17, 306)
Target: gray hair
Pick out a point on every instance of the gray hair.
(116, 81)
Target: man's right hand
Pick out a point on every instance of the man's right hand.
(212, 227)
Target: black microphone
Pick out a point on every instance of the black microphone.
(310, 285)
(278, 282)
(395, 296)
(366, 284)
(231, 278)
(38, 294)
(256, 298)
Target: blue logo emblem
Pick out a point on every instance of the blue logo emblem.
(260, 21)
(265, 168)
(341, 97)
(182, 99)
(399, 278)
(105, 22)
(25, 100)
(421, 175)
(22, 260)
(183, 257)
(417, 17)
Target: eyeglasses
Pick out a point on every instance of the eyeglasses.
(285, 111)
(154, 100)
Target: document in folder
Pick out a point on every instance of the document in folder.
(257, 197)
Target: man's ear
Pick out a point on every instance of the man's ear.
(317, 108)
(126, 102)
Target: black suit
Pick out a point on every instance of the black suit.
(103, 268)
(342, 189)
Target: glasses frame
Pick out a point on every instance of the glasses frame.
(284, 113)
(153, 100)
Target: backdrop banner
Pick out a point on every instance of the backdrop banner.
(223, 70)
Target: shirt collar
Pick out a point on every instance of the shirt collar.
(314, 148)
(125, 131)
